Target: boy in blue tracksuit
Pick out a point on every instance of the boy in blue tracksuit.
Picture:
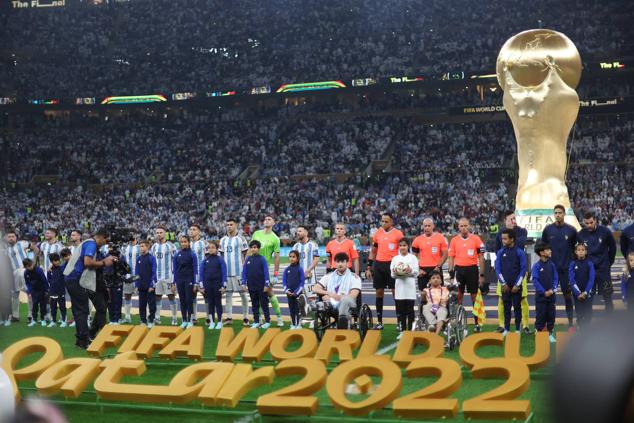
(212, 283)
(602, 252)
(145, 269)
(293, 284)
(545, 279)
(510, 266)
(581, 277)
(57, 291)
(255, 276)
(37, 287)
(185, 271)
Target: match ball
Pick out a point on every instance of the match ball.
(400, 268)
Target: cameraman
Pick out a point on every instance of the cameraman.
(80, 276)
(101, 297)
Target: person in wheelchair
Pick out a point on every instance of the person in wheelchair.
(338, 291)
(435, 298)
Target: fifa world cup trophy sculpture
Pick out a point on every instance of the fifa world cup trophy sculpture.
(539, 70)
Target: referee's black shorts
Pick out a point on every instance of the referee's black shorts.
(382, 276)
(423, 281)
(468, 277)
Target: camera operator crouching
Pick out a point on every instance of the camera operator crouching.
(81, 280)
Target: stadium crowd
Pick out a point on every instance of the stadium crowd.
(119, 49)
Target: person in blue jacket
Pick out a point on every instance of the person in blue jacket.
(510, 266)
(255, 276)
(562, 238)
(57, 290)
(545, 279)
(293, 283)
(212, 283)
(627, 240)
(145, 269)
(184, 268)
(581, 277)
(602, 252)
(37, 287)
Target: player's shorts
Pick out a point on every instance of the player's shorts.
(468, 278)
(382, 275)
(128, 288)
(234, 284)
(163, 287)
(498, 289)
(423, 281)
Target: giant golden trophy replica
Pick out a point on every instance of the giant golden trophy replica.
(539, 70)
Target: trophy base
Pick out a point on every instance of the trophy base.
(535, 220)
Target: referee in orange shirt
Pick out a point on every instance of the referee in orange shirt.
(384, 248)
(466, 262)
(431, 249)
(341, 244)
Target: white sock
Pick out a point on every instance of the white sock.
(229, 304)
(128, 308)
(245, 305)
(30, 308)
(211, 318)
(173, 308)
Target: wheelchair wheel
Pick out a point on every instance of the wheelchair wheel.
(364, 321)
(322, 322)
(460, 328)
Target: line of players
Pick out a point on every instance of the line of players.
(160, 274)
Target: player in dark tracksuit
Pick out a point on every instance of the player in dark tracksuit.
(510, 266)
(255, 276)
(627, 240)
(545, 279)
(185, 267)
(562, 239)
(602, 252)
(57, 290)
(37, 287)
(212, 282)
(581, 276)
(293, 283)
(145, 269)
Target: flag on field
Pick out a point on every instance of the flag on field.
(478, 308)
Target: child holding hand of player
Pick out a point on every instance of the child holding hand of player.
(213, 281)
(581, 277)
(293, 281)
(255, 276)
(404, 270)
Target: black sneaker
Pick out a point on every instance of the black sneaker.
(500, 329)
(378, 326)
(245, 322)
(527, 330)
(477, 329)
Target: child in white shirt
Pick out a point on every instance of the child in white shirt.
(404, 269)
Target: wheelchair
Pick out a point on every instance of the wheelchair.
(455, 329)
(326, 317)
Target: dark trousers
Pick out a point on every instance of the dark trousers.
(512, 300)
(99, 299)
(79, 306)
(147, 298)
(293, 309)
(545, 312)
(259, 298)
(603, 285)
(629, 297)
(405, 313)
(58, 301)
(213, 299)
(186, 298)
(39, 299)
(115, 303)
(584, 311)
